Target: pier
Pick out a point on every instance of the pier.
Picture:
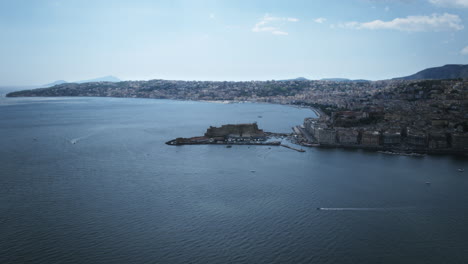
(289, 147)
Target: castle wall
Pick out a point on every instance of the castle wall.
(237, 130)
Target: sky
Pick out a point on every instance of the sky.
(43, 41)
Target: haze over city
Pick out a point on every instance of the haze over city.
(44, 41)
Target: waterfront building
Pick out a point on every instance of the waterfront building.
(391, 138)
(348, 136)
(438, 140)
(370, 138)
(416, 138)
(326, 136)
(460, 141)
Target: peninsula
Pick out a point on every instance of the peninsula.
(231, 134)
(236, 134)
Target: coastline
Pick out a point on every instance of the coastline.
(395, 151)
(316, 111)
(404, 150)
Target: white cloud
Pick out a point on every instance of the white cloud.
(320, 20)
(434, 22)
(272, 24)
(450, 3)
(391, 1)
(277, 32)
(464, 51)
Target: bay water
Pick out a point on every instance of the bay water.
(90, 180)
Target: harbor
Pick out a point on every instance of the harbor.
(236, 134)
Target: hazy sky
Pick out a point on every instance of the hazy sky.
(43, 41)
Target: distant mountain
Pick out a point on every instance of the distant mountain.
(54, 83)
(109, 78)
(296, 79)
(336, 79)
(343, 80)
(449, 71)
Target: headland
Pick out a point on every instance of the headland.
(236, 134)
(232, 134)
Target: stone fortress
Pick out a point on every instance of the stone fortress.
(235, 131)
(239, 134)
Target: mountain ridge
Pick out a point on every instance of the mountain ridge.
(108, 78)
(448, 71)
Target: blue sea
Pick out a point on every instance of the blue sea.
(90, 180)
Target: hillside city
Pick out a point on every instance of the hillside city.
(419, 115)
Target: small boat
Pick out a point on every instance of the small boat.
(228, 146)
(461, 170)
(252, 171)
(428, 183)
(260, 116)
(318, 208)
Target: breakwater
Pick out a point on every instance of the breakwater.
(196, 141)
(289, 147)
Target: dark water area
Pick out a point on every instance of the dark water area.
(90, 180)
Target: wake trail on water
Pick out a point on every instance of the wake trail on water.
(363, 209)
(76, 140)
